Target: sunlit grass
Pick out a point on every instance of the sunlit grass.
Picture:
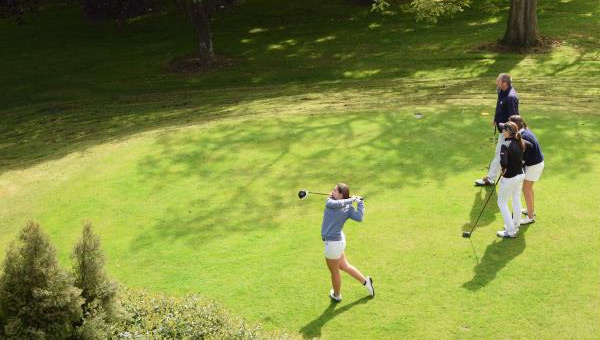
(211, 208)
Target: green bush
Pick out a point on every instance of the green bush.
(94, 326)
(37, 298)
(155, 316)
(98, 291)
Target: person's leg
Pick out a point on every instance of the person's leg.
(495, 166)
(350, 269)
(336, 279)
(532, 175)
(528, 193)
(516, 200)
(504, 193)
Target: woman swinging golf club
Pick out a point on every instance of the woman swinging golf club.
(338, 209)
(511, 160)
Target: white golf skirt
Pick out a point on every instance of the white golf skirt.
(334, 249)
(533, 173)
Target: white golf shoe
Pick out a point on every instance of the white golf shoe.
(369, 286)
(334, 297)
(484, 181)
(505, 234)
(527, 220)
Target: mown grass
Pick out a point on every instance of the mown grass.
(191, 180)
(86, 83)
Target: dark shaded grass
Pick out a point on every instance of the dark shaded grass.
(87, 83)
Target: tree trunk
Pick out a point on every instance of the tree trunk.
(522, 26)
(199, 15)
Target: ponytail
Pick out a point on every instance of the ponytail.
(520, 141)
(513, 128)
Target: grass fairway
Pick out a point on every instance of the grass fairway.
(191, 181)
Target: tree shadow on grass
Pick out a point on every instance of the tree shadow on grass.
(227, 206)
(229, 167)
(230, 164)
(313, 328)
(497, 256)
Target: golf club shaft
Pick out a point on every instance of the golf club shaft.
(495, 135)
(486, 202)
(320, 193)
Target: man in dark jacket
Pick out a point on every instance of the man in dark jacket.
(506, 106)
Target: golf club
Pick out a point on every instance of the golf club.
(303, 194)
(467, 234)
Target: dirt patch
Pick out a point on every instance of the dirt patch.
(547, 45)
(191, 64)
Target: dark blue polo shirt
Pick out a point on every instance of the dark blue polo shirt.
(506, 106)
(533, 155)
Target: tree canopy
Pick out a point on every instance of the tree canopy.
(425, 10)
(521, 28)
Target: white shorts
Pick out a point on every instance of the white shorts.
(334, 249)
(533, 173)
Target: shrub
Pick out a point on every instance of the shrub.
(37, 298)
(98, 291)
(155, 316)
(94, 326)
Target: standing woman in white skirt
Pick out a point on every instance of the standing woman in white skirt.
(511, 160)
(338, 209)
(534, 166)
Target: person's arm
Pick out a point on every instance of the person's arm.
(338, 204)
(528, 147)
(512, 105)
(503, 156)
(358, 214)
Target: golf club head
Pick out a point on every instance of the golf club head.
(466, 234)
(302, 194)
